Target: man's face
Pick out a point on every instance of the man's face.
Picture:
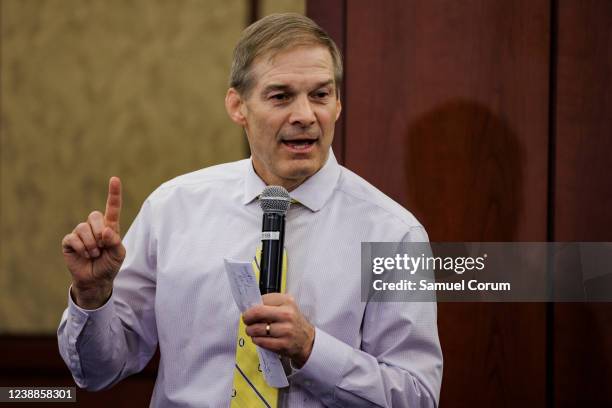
(290, 113)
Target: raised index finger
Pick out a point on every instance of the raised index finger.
(113, 204)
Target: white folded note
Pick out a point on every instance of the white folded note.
(245, 290)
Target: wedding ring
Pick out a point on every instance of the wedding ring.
(268, 329)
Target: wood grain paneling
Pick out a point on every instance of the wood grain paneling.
(330, 15)
(446, 111)
(583, 193)
(448, 108)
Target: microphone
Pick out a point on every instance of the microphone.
(274, 201)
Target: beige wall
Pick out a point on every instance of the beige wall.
(281, 6)
(90, 89)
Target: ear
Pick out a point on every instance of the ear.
(338, 107)
(234, 105)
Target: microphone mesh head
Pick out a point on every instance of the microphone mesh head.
(275, 199)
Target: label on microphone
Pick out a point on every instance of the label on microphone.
(270, 235)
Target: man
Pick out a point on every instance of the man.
(165, 284)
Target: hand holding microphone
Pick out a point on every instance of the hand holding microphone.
(277, 325)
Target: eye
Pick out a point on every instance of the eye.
(279, 97)
(322, 94)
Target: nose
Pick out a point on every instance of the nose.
(302, 113)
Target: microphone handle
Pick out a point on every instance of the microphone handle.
(272, 244)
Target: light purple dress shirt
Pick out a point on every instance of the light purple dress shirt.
(172, 290)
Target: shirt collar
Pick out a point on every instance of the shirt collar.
(313, 193)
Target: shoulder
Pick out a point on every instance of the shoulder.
(207, 179)
(381, 208)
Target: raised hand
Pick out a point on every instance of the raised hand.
(94, 253)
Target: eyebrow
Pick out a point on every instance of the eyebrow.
(283, 87)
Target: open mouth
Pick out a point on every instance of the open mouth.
(299, 144)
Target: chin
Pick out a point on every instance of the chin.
(297, 171)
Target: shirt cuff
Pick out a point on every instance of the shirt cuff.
(82, 323)
(79, 317)
(324, 367)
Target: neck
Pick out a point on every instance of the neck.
(288, 184)
(271, 180)
(294, 185)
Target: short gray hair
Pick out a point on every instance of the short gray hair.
(275, 33)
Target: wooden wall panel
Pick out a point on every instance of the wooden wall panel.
(447, 112)
(583, 193)
(331, 15)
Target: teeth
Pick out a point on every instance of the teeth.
(299, 144)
